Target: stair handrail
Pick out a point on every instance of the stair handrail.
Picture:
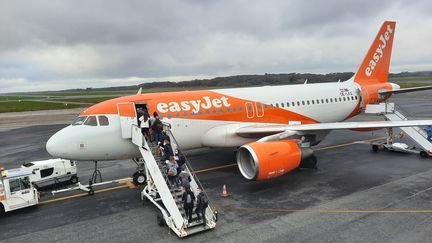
(402, 114)
(190, 169)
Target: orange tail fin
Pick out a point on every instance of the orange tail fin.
(375, 66)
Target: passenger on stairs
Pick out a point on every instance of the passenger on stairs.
(185, 180)
(188, 203)
(167, 149)
(202, 204)
(145, 123)
(429, 133)
(172, 172)
(157, 127)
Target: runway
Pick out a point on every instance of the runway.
(355, 195)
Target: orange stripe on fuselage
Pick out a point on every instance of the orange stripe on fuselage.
(202, 105)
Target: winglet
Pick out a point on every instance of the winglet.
(140, 90)
(375, 66)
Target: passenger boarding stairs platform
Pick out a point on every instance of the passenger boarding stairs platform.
(166, 197)
(392, 112)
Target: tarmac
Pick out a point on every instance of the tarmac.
(354, 196)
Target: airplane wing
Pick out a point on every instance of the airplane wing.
(265, 130)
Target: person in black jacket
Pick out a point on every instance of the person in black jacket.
(188, 203)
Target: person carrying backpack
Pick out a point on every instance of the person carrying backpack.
(172, 172)
(202, 204)
(188, 203)
(157, 127)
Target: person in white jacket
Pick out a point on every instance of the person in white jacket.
(145, 123)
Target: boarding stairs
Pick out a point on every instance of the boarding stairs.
(166, 197)
(393, 112)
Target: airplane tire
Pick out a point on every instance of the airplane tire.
(91, 192)
(74, 179)
(139, 178)
(423, 154)
(375, 148)
(160, 220)
(2, 210)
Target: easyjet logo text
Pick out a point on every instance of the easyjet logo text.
(379, 52)
(193, 105)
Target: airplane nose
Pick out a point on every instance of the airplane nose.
(55, 145)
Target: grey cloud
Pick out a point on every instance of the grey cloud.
(46, 42)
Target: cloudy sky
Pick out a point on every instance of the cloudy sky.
(51, 45)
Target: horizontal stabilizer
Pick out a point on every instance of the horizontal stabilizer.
(406, 90)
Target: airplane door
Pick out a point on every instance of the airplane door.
(259, 109)
(250, 110)
(127, 116)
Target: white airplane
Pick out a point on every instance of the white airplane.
(265, 123)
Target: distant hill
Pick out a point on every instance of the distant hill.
(255, 80)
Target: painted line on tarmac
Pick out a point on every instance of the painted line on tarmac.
(317, 149)
(82, 194)
(279, 210)
(215, 168)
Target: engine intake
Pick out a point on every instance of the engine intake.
(266, 160)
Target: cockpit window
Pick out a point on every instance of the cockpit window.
(91, 121)
(103, 121)
(79, 121)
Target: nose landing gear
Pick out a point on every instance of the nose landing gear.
(139, 177)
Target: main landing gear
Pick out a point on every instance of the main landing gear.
(139, 177)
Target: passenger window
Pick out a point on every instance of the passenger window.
(303, 103)
(234, 109)
(322, 101)
(317, 101)
(282, 105)
(331, 100)
(169, 116)
(344, 99)
(91, 121)
(79, 121)
(240, 109)
(25, 183)
(47, 172)
(293, 103)
(326, 100)
(340, 99)
(308, 102)
(185, 114)
(103, 120)
(298, 103)
(177, 115)
(287, 104)
(14, 185)
(313, 102)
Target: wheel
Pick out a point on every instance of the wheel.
(139, 178)
(160, 220)
(375, 148)
(2, 210)
(91, 192)
(74, 179)
(423, 154)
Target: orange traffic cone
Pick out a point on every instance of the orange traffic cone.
(224, 192)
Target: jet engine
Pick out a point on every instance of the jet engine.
(266, 160)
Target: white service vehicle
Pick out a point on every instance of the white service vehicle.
(16, 190)
(52, 171)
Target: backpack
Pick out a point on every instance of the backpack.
(172, 171)
(158, 126)
(204, 200)
(188, 198)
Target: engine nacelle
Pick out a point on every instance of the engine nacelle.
(266, 160)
